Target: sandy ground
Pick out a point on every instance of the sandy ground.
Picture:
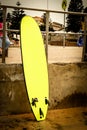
(62, 119)
(55, 54)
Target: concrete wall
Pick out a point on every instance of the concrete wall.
(68, 85)
(67, 82)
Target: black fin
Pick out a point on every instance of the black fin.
(34, 100)
(46, 101)
(41, 113)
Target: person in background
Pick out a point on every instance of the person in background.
(80, 41)
(7, 41)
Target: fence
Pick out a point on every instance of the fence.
(47, 26)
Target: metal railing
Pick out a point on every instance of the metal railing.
(5, 7)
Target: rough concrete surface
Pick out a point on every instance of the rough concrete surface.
(68, 83)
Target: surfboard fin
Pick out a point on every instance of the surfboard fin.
(41, 113)
(34, 100)
(46, 101)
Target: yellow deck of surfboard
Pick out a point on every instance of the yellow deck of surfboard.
(35, 67)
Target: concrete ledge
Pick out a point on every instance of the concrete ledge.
(68, 87)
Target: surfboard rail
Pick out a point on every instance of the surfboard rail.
(35, 67)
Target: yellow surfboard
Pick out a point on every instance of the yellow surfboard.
(35, 67)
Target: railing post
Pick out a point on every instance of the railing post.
(47, 33)
(64, 32)
(4, 35)
(85, 44)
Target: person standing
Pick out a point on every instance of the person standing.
(7, 41)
